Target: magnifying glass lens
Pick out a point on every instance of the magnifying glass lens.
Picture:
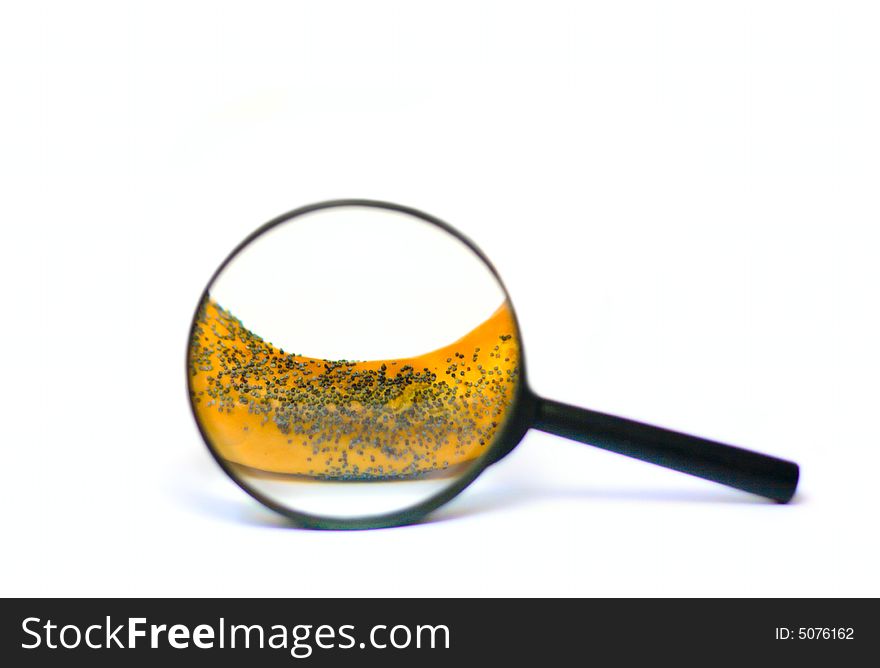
(353, 361)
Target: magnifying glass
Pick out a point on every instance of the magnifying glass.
(356, 364)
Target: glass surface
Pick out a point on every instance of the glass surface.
(353, 361)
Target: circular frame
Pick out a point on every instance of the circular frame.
(522, 406)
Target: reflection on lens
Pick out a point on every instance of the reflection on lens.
(333, 436)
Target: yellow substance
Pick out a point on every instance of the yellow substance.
(283, 413)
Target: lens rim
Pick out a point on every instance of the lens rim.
(511, 433)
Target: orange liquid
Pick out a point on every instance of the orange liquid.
(276, 412)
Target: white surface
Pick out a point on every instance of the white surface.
(682, 199)
(349, 499)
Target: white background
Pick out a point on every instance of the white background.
(682, 198)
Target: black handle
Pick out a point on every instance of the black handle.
(743, 469)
